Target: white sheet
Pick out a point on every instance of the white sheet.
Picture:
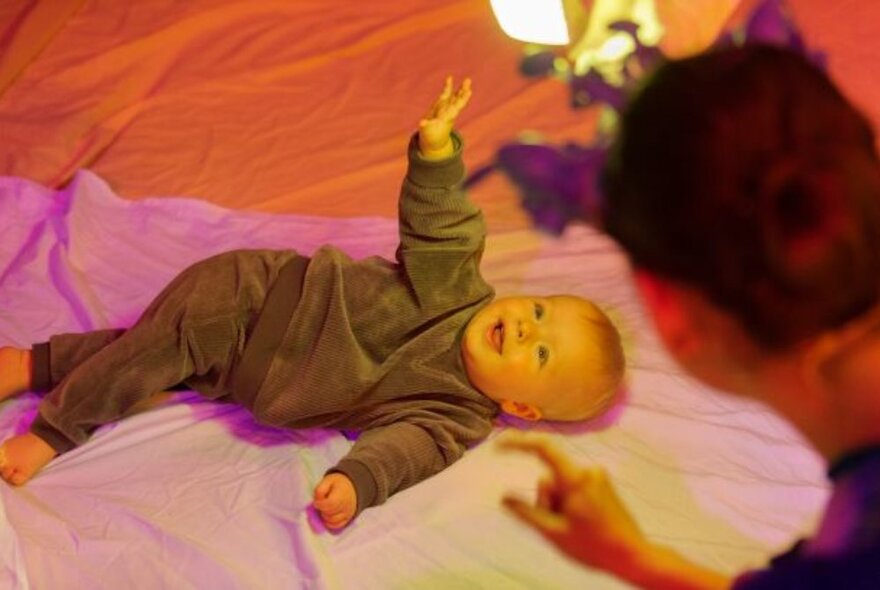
(196, 495)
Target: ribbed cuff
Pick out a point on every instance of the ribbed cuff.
(360, 476)
(439, 173)
(51, 435)
(41, 367)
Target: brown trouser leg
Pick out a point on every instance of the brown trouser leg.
(193, 332)
(68, 351)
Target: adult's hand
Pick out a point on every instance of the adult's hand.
(578, 510)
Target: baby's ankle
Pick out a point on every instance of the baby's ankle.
(15, 370)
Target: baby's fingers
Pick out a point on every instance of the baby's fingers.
(326, 505)
(334, 514)
(447, 90)
(323, 489)
(336, 521)
(458, 102)
(441, 101)
(330, 512)
(333, 501)
(463, 94)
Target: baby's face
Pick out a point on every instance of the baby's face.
(526, 349)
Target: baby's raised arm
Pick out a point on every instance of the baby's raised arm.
(435, 127)
(335, 497)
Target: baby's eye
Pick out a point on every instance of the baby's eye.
(539, 311)
(543, 354)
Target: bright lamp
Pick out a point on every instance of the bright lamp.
(533, 21)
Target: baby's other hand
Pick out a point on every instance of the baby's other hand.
(335, 500)
(435, 127)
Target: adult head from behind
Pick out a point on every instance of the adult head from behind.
(745, 190)
(745, 176)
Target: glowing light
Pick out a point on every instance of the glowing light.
(616, 47)
(605, 50)
(534, 21)
(650, 29)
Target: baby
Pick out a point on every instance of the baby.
(414, 353)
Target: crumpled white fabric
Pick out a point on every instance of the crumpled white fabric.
(197, 495)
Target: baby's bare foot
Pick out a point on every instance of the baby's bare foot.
(15, 371)
(22, 456)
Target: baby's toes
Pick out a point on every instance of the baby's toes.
(17, 478)
(22, 456)
(8, 473)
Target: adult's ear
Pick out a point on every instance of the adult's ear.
(670, 309)
(521, 410)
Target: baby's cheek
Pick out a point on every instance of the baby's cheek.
(519, 361)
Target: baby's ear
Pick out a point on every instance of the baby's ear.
(521, 410)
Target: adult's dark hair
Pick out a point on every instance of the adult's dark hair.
(745, 173)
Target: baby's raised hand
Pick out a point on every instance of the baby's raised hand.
(335, 500)
(435, 142)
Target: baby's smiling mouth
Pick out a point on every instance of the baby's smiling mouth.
(496, 335)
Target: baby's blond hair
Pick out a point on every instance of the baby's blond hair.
(603, 369)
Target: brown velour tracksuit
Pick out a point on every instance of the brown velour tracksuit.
(327, 341)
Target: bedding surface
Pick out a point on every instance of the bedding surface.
(195, 494)
(139, 136)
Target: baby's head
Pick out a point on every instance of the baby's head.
(556, 358)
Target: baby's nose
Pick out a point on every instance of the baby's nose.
(524, 329)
